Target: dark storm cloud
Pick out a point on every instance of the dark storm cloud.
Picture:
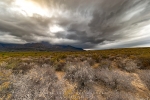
(86, 23)
(25, 28)
(126, 44)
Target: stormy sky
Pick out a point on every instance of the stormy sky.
(89, 24)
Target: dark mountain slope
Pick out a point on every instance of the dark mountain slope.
(43, 46)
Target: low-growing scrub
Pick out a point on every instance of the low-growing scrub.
(71, 94)
(5, 85)
(82, 74)
(145, 77)
(128, 65)
(59, 65)
(145, 60)
(120, 95)
(37, 83)
(114, 79)
(105, 64)
(117, 74)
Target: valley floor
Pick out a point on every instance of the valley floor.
(81, 76)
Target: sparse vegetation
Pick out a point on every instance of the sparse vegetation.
(128, 65)
(81, 74)
(145, 77)
(117, 74)
(114, 79)
(5, 85)
(116, 95)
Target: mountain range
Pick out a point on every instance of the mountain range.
(42, 46)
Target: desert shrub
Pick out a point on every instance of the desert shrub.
(133, 57)
(17, 65)
(5, 85)
(3, 64)
(145, 60)
(59, 65)
(128, 65)
(12, 64)
(114, 79)
(96, 57)
(5, 90)
(105, 64)
(63, 56)
(70, 58)
(111, 57)
(82, 74)
(91, 61)
(53, 60)
(6, 97)
(105, 56)
(22, 67)
(145, 77)
(39, 82)
(42, 60)
(71, 94)
(119, 95)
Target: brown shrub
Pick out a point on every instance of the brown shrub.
(128, 65)
(38, 83)
(145, 77)
(96, 57)
(59, 66)
(105, 64)
(119, 95)
(5, 84)
(82, 74)
(145, 62)
(114, 79)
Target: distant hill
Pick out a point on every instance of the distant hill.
(43, 46)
